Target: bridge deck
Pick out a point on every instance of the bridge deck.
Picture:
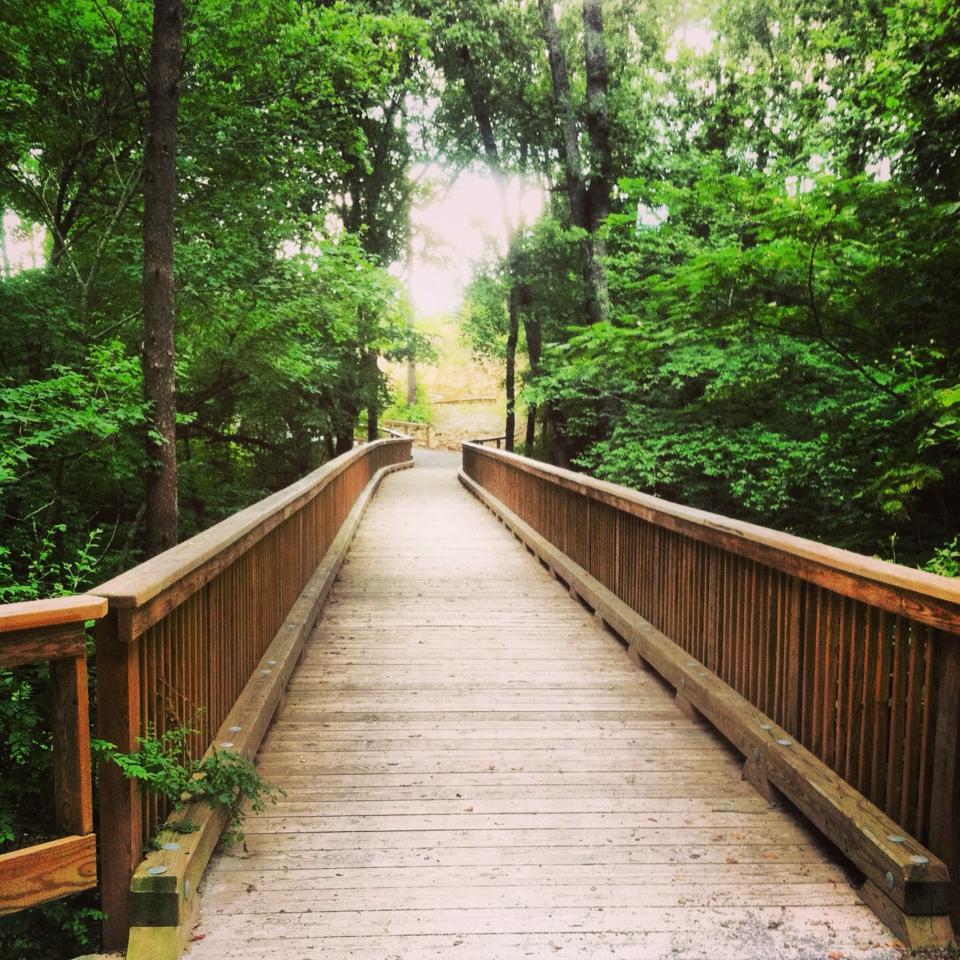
(475, 770)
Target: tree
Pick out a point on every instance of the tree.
(159, 193)
(588, 193)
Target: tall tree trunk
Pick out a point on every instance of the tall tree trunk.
(159, 185)
(411, 381)
(513, 331)
(589, 204)
(569, 138)
(372, 372)
(4, 256)
(344, 441)
(531, 431)
(531, 329)
(600, 185)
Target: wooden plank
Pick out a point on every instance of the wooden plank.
(47, 872)
(70, 723)
(911, 876)
(945, 790)
(118, 722)
(39, 644)
(31, 614)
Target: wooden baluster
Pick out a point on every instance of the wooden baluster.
(118, 721)
(945, 788)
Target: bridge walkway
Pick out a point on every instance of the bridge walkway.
(475, 770)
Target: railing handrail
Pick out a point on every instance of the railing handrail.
(890, 585)
(405, 423)
(222, 542)
(30, 614)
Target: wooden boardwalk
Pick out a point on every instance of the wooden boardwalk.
(475, 770)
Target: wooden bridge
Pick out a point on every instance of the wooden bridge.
(604, 726)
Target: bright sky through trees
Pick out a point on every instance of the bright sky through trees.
(456, 228)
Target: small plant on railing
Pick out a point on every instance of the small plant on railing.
(223, 779)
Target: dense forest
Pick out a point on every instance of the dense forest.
(741, 294)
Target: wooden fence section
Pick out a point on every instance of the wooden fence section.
(420, 432)
(53, 630)
(187, 629)
(857, 659)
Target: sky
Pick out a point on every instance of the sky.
(456, 228)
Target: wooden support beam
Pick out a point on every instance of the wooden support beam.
(38, 644)
(47, 872)
(118, 722)
(70, 720)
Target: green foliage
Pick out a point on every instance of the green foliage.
(63, 928)
(222, 779)
(419, 412)
(782, 261)
(946, 559)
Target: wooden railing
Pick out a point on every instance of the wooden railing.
(420, 432)
(499, 441)
(849, 666)
(34, 632)
(191, 633)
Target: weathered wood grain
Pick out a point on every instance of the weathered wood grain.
(49, 613)
(47, 871)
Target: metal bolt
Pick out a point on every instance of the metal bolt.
(888, 880)
(766, 726)
(186, 889)
(784, 743)
(156, 871)
(226, 744)
(272, 663)
(235, 729)
(691, 663)
(171, 846)
(896, 838)
(265, 672)
(919, 859)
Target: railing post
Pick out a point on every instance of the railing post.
(118, 721)
(945, 794)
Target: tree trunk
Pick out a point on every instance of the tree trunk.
(411, 381)
(601, 157)
(372, 372)
(513, 332)
(589, 204)
(4, 256)
(531, 328)
(163, 91)
(344, 442)
(569, 139)
(531, 431)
